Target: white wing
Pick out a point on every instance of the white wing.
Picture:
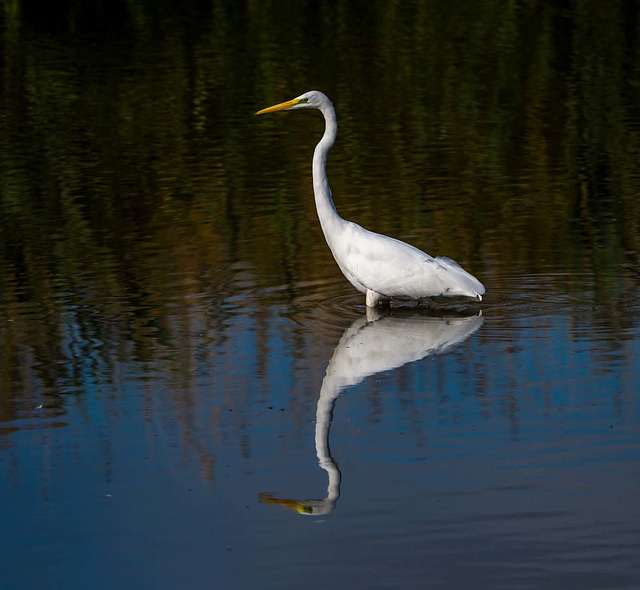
(370, 347)
(396, 269)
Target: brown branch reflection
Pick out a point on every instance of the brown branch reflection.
(371, 345)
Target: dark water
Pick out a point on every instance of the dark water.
(191, 394)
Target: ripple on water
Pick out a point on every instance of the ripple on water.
(334, 303)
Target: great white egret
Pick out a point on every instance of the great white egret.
(381, 267)
(372, 345)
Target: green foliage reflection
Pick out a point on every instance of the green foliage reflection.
(135, 182)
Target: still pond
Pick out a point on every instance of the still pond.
(191, 393)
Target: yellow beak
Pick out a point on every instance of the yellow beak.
(283, 106)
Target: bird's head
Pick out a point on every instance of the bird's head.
(309, 100)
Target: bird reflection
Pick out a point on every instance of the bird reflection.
(373, 344)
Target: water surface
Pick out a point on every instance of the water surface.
(192, 396)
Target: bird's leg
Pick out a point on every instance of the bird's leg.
(373, 314)
(374, 298)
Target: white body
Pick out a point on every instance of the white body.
(381, 267)
(370, 346)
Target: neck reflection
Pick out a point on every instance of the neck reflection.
(371, 345)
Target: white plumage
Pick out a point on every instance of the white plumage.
(381, 267)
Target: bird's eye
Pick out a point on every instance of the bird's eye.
(303, 100)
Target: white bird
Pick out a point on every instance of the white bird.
(381, 267)
(371, 345)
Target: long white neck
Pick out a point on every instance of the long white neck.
(324, 415)
(329, 218)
